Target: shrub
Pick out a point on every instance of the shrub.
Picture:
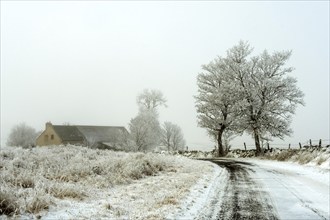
(24, 181)
(38, 175)
(306, 157)
(37, 203)
(65, 190)
(321, 160)
(8, 203)
(22, 135)
(284, 155)
(7, 155)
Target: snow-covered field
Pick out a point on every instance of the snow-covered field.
(80, 183)
(71, 182)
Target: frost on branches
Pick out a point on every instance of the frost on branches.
(244, 93)
(22, 135)
(172, 137)
(145, 130)
(145, 127)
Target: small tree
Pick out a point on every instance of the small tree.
(145, 130)
(125, 140)
(172, 136)
(22, 135)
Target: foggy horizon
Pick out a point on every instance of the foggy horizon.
(84, 63)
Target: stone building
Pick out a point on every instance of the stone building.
(111, 137)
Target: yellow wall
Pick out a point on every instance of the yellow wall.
(48, 137)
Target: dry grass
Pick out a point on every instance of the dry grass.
(66, 190)
(168, 200)
(38, 202)
(304, 156)
(321, 159)
(8, 203)
(32, 179)
(285, 155)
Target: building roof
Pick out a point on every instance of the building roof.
(89, 133)
(68, 133)
(101, 133)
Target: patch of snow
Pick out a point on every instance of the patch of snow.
(204, 195)
(195, 187)
(155, 197)
(299, 191)
(312, 171)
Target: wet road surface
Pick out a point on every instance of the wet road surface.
(255, 192)
(244, 197)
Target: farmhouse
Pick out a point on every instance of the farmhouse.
(95, 136)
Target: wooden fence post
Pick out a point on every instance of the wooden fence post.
(320, 143)
(244, 146)
(310, 142)
(299, 145)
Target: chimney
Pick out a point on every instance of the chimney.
(48, 124)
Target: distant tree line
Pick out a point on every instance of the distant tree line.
(146, 132)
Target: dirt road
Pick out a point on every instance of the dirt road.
(256, 192)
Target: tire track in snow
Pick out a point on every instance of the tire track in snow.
(244, 197)
(278, 177)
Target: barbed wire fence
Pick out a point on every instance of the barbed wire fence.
(299, 145)
(265, 145)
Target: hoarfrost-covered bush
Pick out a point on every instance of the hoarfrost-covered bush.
(34, 179)
(66, 190)
(8, 202)
(284, 155)
(304, 158)
(315, 155)
(22, 135)
(140, 165)
(38, 202)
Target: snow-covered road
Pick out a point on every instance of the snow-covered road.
(256, 189)
(209, 189)
(298, 192)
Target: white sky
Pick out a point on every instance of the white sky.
(85, 62)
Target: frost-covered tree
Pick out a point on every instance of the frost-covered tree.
(248, 93)
(218, 103)
(145, 130)
(145, 127)
(125, 140)
(22, 135)
(270, 95)
(150, 99)
(172, 137)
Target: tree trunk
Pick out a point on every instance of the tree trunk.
(257, 141)
(221, 151)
